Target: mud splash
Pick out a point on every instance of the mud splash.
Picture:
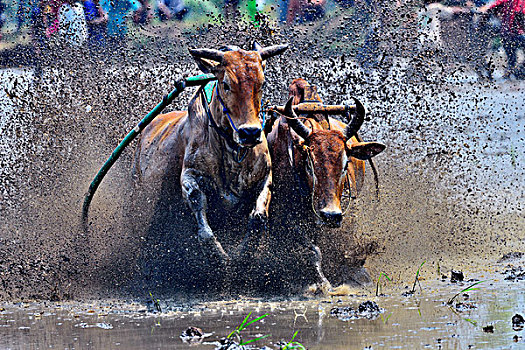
(451, 188)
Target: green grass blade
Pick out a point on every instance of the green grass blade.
(253, 340)
(232, 333)
(468, 289)
(417, 275)
(471, 321)
(385, 319)
(243, 322)
(293, 337)
(255, 320)
(472, 285)
(379, 281)
(291, 343)
(294, 346)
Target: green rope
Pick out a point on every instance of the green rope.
(168, 99)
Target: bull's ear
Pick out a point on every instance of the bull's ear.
(365, 150)
(206, 66)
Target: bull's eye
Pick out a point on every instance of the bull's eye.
(225, 86)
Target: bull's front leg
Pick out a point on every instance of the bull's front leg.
(258, 219)
(196, 200)
(316, 259)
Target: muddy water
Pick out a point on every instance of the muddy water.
(420, 321)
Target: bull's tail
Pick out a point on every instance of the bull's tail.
(373, 167)
(376, 176)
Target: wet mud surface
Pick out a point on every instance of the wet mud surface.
(421, 321)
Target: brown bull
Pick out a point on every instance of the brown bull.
(312, 161)
(215, 155)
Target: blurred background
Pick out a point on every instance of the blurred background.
(480, 33)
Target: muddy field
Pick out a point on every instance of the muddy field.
(452, 197)
(482, 319)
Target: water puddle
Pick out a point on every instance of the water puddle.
(480, 319)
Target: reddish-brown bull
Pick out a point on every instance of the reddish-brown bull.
(312, 161)
(216, 154)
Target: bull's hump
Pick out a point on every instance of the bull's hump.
(162, 127)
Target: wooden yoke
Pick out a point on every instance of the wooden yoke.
(311, 96)
(315, 108)
(311, 103)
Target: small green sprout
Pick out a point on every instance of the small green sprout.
(294, 345)
(474, 323)
(379, 280)
(385, 319)
(156, 303)
(237, 331)
(468, 289)
(416, 280)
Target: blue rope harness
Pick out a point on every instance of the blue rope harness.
(227, 112)
(225, 109)
(239, 153)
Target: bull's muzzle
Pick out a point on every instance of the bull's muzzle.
(250, 136)
(331, 218)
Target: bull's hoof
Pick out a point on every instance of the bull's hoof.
(258, 223)
(213, 249)
(323, 288)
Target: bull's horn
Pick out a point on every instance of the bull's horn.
(353, 127)
(256, 46)
(269, 51)
(210, 54)
(297, 126)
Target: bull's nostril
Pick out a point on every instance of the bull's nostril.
(333, 217)
(250, 133)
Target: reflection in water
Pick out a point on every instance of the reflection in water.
(417, 322)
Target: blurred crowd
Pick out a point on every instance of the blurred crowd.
(92, 21)
(485, 23)
(98, 22)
